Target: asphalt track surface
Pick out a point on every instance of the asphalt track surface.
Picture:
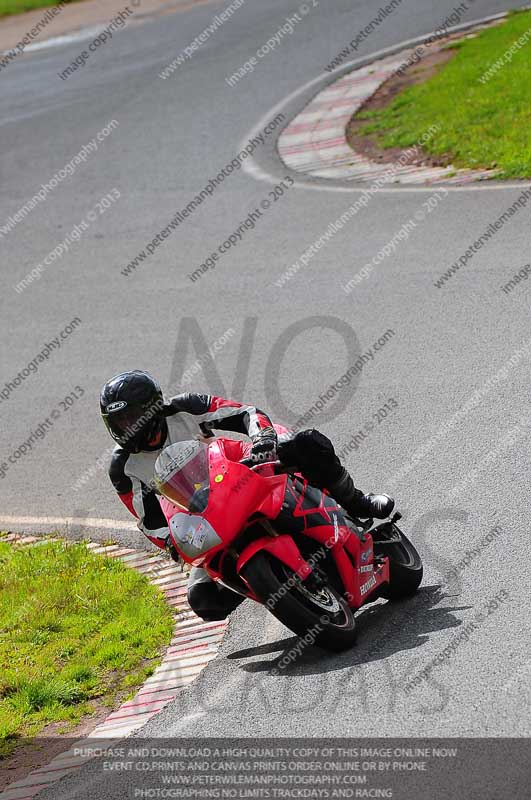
(173, 135)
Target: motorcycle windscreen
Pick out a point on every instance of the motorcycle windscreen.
(182, 476)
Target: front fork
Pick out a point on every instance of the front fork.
(389, 528)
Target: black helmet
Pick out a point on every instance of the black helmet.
(131, 406)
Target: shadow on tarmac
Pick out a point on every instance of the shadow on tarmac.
(384, 628)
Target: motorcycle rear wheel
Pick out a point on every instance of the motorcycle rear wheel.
(318, 613)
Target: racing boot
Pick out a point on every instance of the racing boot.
(208, 599)
(357, 504)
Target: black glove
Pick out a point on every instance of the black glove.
(264, 446)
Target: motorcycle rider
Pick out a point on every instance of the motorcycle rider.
(143, 424)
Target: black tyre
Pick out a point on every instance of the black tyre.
(405, 564)
(319, 612)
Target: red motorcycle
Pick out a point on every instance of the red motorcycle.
(264, 532)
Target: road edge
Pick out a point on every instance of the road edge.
(272, 173)
(315, 142)
(75, 19)
(193, 645)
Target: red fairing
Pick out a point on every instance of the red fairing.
(284, 548)
(127, 500)
(221, 534)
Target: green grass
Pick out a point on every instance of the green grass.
(17, 6)
(74, 628)
(481, 124)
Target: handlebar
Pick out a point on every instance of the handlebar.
(248, 462)
(279, 467)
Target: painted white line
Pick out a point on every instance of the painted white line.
(82, 34)
(253, 169)
(65, 38)
(64, 522)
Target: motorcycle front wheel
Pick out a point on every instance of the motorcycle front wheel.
(405, 564)
(314, 611)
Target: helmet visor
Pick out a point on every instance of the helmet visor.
(130, 424)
